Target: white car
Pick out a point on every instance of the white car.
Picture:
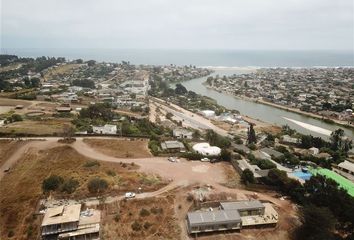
(172, 159)
(129, 195)
(205, 160)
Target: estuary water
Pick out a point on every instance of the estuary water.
(265, 113)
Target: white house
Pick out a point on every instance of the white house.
(182, 133)
(208, 113)
(314, 151)
(106, 129)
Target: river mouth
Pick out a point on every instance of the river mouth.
(262, 112)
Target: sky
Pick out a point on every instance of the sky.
(179, 24)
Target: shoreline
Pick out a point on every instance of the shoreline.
(289, 109)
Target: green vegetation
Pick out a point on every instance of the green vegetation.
(215, 139)
(86, 83)
(251, 135)
(247, 177)
(261, 163)
(52, 183)
(55, 182)
(97, 185)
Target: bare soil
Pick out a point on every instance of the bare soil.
(20, 189)
(157, 223)
(121, 148)
(7, 148)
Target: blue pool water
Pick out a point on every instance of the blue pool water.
(303, 175)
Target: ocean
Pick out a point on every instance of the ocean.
(211, 58)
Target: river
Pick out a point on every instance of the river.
(263, 112)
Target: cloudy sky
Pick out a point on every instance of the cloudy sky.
(178, 24)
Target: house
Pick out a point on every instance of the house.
(232, 216)
(106, 129)
(69, 222)
(242, 165)
(271, 152)
(314, 151)
(241, 147)
(172, 146)
(288, 139)
(346, 169)
(182, 133)
(208, 113)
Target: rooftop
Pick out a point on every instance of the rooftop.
(62, 214)
(172, 145)
(347, 165)
(241, 205)
(211, 217)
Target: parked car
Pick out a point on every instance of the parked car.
(172, 159)
(205, 160)
(214, 160)
(129, 195)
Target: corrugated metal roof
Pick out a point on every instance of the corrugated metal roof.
(242, 205)
(213, 217)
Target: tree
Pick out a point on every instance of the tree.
(247, 176)
(180, 89)
(225, 155)
(52, 183)
(97, 185)
(339, 142)
(251, 138)
(91, 63)
(317, 223)
(68, 132)
(69, 186)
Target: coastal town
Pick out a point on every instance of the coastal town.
(321, 92)
(101, 150)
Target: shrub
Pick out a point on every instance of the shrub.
(93, 163)
(147, 225)
(111, 173)
(144, 212)
(69, 186)
(10, 234)
(52, 183)
(247, 176)
(156, 210)
(190, 198)
(97, 185)
(136, 226)
(225, 155)
(117, 217)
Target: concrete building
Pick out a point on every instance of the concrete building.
(291, 140)
(106, 129)
(232, 216)
(182, 133)
(69, 222)
(218, 220)
(172, 146)
(314, 151)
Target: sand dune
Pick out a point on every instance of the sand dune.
(310, 127)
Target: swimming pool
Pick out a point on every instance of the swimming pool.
(303, 175)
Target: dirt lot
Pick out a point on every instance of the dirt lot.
(156, 221)
(7, 148)
(13, 102)
(21, 190)
(48, 127)
(121, 148)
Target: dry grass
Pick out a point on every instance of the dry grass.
(159, 224)
(233, 179)
(121, 148)
(21, 190)
(43, 127)
(61, 70)
(7, 148)
(13, 102)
